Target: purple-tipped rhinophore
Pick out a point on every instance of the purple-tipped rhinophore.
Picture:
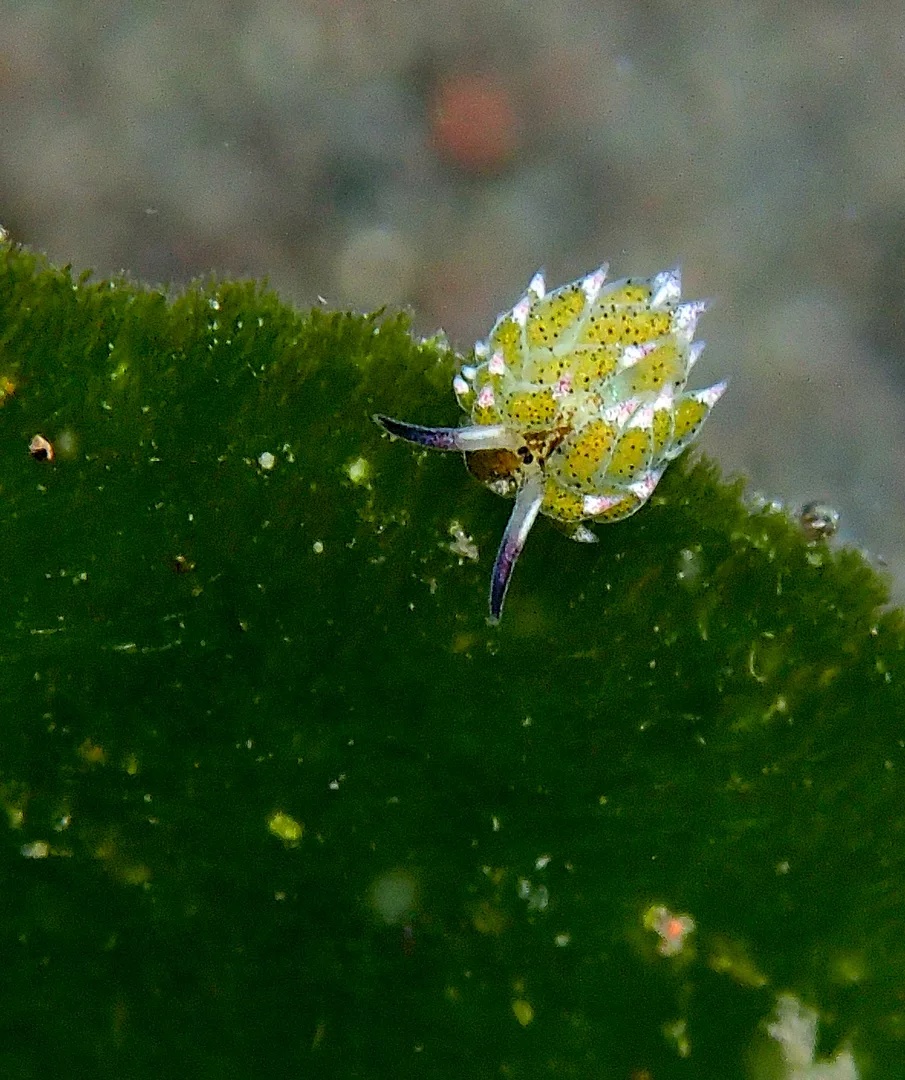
(463, 439)
(527, 504)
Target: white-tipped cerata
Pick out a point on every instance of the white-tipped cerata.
(667, 288)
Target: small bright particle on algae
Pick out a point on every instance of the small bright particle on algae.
(575, 405)
(358, 471)
(670, 928)
(285, 828)
(522, 1011)
(462, 544)
(267, 461)
(41, 449)
(536, 896)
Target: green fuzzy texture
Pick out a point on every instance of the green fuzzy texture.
(278, 801)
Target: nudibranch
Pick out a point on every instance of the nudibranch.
(575, 404)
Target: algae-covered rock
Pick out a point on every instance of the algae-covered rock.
(280, 802)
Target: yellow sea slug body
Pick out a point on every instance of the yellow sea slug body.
(576, 403)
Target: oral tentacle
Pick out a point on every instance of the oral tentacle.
(524, 513)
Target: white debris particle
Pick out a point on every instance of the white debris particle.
(795, 1029)
(318, 547)
(267, 461)
(462, 544)
(358, 471)
(537, 896)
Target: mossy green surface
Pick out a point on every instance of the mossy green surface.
(279, 802)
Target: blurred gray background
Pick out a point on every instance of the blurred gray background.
(433, 155)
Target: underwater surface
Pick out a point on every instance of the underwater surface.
(278, 801)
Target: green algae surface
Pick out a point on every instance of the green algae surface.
(277, 801)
